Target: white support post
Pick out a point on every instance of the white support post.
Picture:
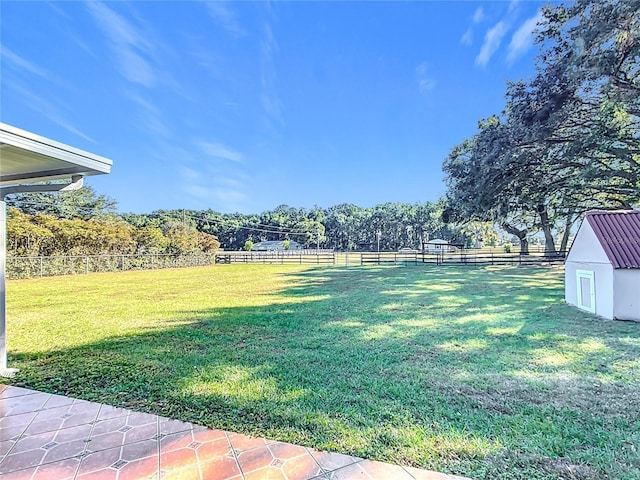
(4, 371)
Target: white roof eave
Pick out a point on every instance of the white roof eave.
(27, 158)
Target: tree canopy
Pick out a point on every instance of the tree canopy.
(568, 139)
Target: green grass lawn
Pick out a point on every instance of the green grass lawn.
(482, 372)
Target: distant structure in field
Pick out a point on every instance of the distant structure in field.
(275, 246)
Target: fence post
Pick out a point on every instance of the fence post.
(123, 263)
(41, 267)
(86, 264)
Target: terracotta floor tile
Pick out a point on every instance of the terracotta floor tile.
(23, 404)
(255, 459)
(56, 401)
(25, 474)
(82, 407)
(44, 425)
(107, 411)
(301, 468)
(243, 442)
(331, 461)
(209, 435)
(107, 426)
(61, 470)
(22, 460)
(6, 446)
(141, 469)
(80, 432)
(64, 417)
(104, 474)
(33, 442)
(214, 450)
(105, 441)
(177, 459)
(350, 472)
(12, 433)
(383, 471)
(176, 441)
(221, 469)
(123, 461)
(23, 419)
(10, 391)
(268, 473)
(168, 426)
(286, 450)
(139, 450)
(190, 472)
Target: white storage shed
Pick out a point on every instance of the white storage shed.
(602, 269)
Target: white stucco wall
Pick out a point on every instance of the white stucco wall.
(587, 254)
(626, 292)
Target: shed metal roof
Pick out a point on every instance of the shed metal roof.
(619, 234)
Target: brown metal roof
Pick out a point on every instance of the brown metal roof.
(619, 234)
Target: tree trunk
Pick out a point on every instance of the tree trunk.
(521, 234)
(567, 233)
(545, 225)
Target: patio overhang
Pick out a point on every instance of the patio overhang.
(25, 160)
(29, 158)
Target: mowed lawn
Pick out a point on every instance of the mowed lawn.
(477, 371)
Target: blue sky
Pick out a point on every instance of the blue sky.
(244, 106)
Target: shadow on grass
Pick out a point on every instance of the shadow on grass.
(477, 371)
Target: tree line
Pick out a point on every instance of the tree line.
(568, 139)
(84, 222)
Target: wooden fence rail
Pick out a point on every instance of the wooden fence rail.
(278, 258)
(29, 267)
(464, 257)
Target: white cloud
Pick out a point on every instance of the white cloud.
(46, 109)
(128, 45)
(478, 15)
(225, 17)
(219, 151)
(522, 39)
(22, 65)
(467, 38)
(152, 118)
(269, 97)
(190, 174)
(220, 198)
(492, 40)
(425, 81)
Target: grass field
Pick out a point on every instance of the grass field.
(482, 372)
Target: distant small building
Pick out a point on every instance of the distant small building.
(275, 246)
(437, 245)
(602, 269)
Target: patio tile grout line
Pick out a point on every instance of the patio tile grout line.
(158, 445)
(86, 443)
(28, 425)
(308, 450)
(235, 454)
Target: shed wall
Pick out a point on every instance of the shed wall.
(626, 292)
(603, 281)
(587, 254)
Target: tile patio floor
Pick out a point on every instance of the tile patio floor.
(51, 437)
